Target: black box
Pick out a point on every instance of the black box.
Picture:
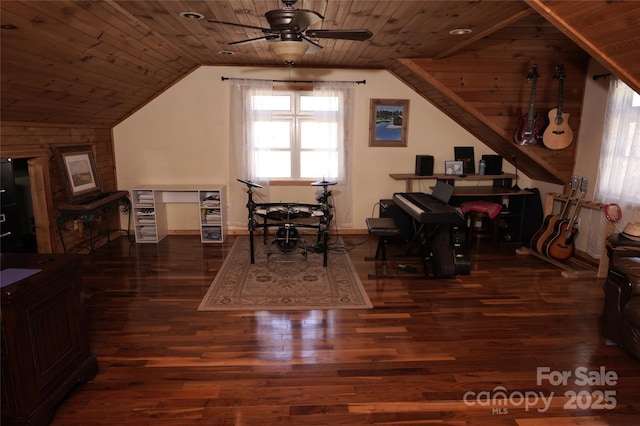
(494, 164)
(424, 165)
(388, 208)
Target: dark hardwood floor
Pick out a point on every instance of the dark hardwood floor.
(444, 352)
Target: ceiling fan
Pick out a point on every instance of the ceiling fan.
(290, 35)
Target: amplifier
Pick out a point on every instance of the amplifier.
(424, 165)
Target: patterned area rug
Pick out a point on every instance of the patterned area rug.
(284, 282)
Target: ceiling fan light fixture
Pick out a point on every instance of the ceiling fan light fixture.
(289, 51)
(460, 31)
(192, 15)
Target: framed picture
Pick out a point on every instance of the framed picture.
(388, 122)
(453, 168)
(466, 155)
(79, 171)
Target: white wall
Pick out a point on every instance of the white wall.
(182, 137)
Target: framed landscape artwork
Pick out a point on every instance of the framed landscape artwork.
(79, 171)
(388, 122)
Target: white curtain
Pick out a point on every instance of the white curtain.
(344, 116)
(618, 178)
(242, 163)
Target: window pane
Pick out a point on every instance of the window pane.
(320, 135)
(319, 103)
(274, 164)
(318, 164)
(272, 103)
(272, 134)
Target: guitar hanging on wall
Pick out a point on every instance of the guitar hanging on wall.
(527, 132)
(560, 246)
(558, 134)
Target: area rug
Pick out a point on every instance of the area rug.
(278, 281)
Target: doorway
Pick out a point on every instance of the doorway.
(17, 215)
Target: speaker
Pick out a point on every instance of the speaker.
(424, 165)
(494, 164)
(402, 219)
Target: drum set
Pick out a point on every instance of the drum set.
(286, 217)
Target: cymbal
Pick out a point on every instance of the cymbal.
(323, 183)
(249, 183)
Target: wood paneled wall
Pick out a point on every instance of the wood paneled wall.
(38, 144)
(484, 88)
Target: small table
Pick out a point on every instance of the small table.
(87, 213)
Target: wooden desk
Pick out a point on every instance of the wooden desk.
(410, 177)
(487, 191)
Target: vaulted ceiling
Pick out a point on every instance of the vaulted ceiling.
(93, 63)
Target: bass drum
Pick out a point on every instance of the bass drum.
(287, 238)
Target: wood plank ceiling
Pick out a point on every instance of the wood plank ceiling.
(93, 63)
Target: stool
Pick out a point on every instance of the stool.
(383, 227)
(481, 218)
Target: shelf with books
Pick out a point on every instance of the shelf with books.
(150, 218)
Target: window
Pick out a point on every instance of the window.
(619, 172)
(618, 178)
(301, 139)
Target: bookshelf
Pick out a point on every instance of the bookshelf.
(149, 212)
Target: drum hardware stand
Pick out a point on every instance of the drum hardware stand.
(287, 236)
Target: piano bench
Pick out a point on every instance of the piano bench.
(384, 228)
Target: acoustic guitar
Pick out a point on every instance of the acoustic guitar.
(560, 245)
(558, 134)
(527, 132)
(549, 223)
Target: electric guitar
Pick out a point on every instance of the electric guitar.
(527, 132)
(558, 134)
(548, 226)
(560, 246)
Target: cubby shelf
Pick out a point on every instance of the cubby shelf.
(150, 219)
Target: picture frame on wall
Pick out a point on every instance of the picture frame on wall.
(466, 155)
(453, 168)
(388, 122)
(79, 172)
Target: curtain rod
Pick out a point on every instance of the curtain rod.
(598, 76)
(293, 81)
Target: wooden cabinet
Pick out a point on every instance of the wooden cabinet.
(149, 213)
(45, 343)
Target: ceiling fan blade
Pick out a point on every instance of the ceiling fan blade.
(265, 30)
(313, 46)
(358, 35)
(253, 40)
(303, 19)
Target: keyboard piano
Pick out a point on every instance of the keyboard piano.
(439, 235)
(426, 209)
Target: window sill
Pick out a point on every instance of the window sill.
(275, 182)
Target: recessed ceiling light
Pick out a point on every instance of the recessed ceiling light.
(460, 31)
(226, 52)
(191, 15)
